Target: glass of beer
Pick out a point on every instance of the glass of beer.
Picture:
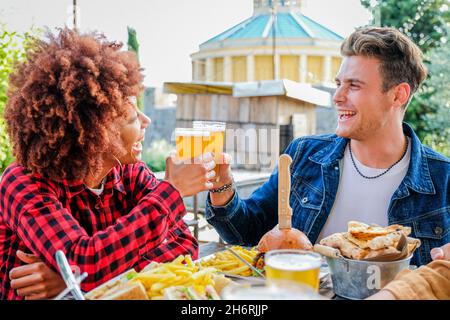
(217, 131)
(191, 143)
(293, 265)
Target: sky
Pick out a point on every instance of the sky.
(168, 31)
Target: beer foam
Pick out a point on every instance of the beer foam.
(210, 125)
(293, 262)
(191, 132)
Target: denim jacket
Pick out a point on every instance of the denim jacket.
(422, 201)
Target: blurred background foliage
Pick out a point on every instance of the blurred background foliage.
(13, 48)
(155, 156)
(133, 45)
(427, 23)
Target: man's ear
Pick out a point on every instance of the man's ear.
(401, 93)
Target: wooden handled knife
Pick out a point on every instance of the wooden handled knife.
(284, 190)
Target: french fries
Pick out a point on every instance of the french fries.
(156, 277)
(226, 262)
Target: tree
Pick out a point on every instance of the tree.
(13, 48)
(438, 95)
(427, 23)
(424, 21)
(133, 45)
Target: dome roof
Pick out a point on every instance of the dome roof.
(289, 25)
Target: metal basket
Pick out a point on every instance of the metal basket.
(356, 279)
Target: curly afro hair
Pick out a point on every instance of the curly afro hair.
(64, 102)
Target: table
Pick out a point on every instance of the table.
(209, 248)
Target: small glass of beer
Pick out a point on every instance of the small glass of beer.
(217, 130)
(293, 265)
(191, 143)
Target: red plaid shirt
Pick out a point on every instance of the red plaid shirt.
(136, 219)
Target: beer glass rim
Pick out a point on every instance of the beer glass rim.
(272, 253)
(211, 125)
(192, 132)
(315, 254)
(269, 290)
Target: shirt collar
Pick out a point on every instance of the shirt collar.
(73, 187)
(418, 176)
(113, 180)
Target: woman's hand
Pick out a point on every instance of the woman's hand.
(191, 178)
(35, 280)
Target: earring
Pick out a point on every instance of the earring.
(91, 173)
(120, 164)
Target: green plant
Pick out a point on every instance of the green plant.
(438, 96)
(13, 47)
(155, 156)
(133, 45)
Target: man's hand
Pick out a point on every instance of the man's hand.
(441, 253)
(191, 178)
(225, 177)
(35, 280)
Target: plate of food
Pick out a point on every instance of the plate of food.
(371, 242)
(232, 267)
(180, 279)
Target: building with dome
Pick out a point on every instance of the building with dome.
(277, 42)
(273, 71)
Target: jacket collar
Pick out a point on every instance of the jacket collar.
(418, 177)
(332, 153)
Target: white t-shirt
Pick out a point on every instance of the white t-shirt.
(99, 191)
(361, 199)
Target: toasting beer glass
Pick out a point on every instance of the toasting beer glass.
(191, 143)
(216, 142)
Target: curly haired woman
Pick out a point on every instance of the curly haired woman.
(77, 184)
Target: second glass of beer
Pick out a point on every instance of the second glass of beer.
(191, 144)
(216, 141)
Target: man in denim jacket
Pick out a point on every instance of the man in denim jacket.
(374, 169)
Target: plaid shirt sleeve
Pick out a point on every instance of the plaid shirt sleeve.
(45, 226)
(179, 240)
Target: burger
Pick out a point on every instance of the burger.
(289, 238)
